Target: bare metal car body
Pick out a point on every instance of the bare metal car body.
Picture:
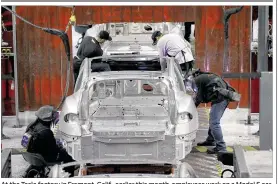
(129, 117)
(136, 116)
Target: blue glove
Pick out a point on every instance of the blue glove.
(59, 143)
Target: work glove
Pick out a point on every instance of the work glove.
(59, 144)
(190, 86)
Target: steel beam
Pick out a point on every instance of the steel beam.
(15, 68)
(240, 165)
(266, 101)
(253, 75)
(262, 38)
(249, 117)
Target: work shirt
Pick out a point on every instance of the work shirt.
(205, 84)
(89, 48)
(177, 30)
(45, 144)
(172, 45)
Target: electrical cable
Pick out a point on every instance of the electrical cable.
(64, 37)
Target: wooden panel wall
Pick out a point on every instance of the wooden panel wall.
(42, 60)
(41, 57)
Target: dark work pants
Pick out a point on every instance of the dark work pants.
(62, 157)
(66, 158)
(215, 131)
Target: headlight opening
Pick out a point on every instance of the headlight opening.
(71, 117)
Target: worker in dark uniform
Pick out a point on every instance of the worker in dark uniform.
(89, 48)
(212, 88)
(174, 45)
(40, 139)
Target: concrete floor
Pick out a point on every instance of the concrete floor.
(207, 166)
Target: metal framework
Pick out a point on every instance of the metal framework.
(262, 38)
(247, 165)
(266, 87)
(15, 68)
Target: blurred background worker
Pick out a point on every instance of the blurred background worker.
(89, 48)
(174, 45)
(212, 88)
(40, 139)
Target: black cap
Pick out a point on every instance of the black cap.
(154, 36)
(105, 35)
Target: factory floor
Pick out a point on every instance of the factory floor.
(234, 127)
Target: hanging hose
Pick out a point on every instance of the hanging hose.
(64, 37)
(227, 15)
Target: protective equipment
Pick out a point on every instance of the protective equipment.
(47, 113)
(190, 86)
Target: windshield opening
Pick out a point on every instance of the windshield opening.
(126, 63)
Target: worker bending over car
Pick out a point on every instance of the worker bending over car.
(39, 139)
(174, 45)
(89, 48)
(212, 88)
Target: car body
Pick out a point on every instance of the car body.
(136, 114)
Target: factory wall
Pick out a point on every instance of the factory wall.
(42, 60)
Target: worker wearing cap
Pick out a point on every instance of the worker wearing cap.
(89, 48)
(39, 139)
(212, 88)
(174, 45)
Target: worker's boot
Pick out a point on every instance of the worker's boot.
(214, 151)
(206, 143)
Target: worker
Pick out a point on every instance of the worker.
(212, 88)
(40, 139)
(89, 48)
(174, 45)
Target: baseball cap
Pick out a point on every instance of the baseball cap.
(154, 36)
(105, 35)
(45, 113)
